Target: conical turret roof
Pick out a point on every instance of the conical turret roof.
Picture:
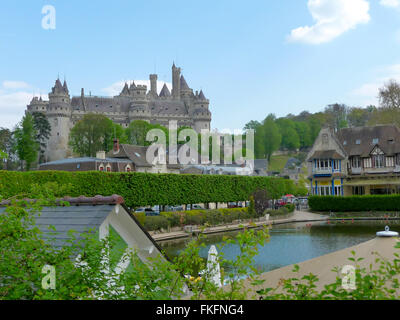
(165, 91)
(125, 90)
(202, 96)
(184, 85)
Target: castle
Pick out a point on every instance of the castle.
(133, 103)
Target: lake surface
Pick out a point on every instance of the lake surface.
(295, 243)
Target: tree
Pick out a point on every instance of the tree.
(290, 138)
(389, 95)
(304, 133)
(8, 147)
(93, 133)
(26, 143)
(43, 130)
(358, 117)
(269, 138)
(337, 115)
(137, 131)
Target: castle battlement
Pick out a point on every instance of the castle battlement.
(135, 102)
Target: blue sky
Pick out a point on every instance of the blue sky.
(250, 58)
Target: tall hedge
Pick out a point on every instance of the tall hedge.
(140, 189)
(355, 203)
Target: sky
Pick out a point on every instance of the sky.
(251, 58)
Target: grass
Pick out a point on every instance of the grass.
(277, 163)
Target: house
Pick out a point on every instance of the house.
(256, 168)
(123, 158)
(95, 215)
(138, 156)
(355, 161)
(98, 163)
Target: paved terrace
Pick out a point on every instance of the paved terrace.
(298, 216)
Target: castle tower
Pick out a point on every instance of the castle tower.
(37, 105)
(59, 115)
(201, 113)
(153, 84)
(139, 107)
(176, 82)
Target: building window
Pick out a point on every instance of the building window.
(379, 161)
(108, 168)
(358, 141)
(128, 168)
(355, 162)
(358, 191)
(325, 138)
(375, 141)
(101, 168)
(324, 191)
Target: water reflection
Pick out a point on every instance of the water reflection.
(294, 243)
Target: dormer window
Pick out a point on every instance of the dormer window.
(375, 141)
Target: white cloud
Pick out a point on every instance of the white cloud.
(332, 18)
(367, 93)
(116, 88)
(390, 3)
(13, 102)
(15, 84)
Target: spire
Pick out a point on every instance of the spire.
(133, 85)
(184, 85)
(125, 90)
(165, 91)
(65, 87)
(202, 96)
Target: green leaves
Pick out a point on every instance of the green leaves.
(141, 189)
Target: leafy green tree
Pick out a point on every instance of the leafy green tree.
(26, 143)
(94, 133)
(43, 130)
(270, 137)
(8, 147)
(290, 137)
(137, 131)
(304, 133)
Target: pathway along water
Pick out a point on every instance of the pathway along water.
(296, 242)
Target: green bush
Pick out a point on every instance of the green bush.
(291, 207)
(355, 203)
(142, 189)
(156, 223)
(282, 211)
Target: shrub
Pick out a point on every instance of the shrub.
(291, 207)
(143, 189)
(355, 203)
(155, 223)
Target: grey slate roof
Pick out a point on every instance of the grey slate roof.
(78, 218)
(349, 136)
(165, 91)
(184, 85)
(84, 159)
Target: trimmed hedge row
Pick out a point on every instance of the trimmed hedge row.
(195, 217)
(355, 203)
(141, 189)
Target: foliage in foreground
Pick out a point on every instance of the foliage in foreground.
(371, 283)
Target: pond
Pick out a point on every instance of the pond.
(295, 243)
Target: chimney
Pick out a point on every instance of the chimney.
(116, 146)
(101, 155)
